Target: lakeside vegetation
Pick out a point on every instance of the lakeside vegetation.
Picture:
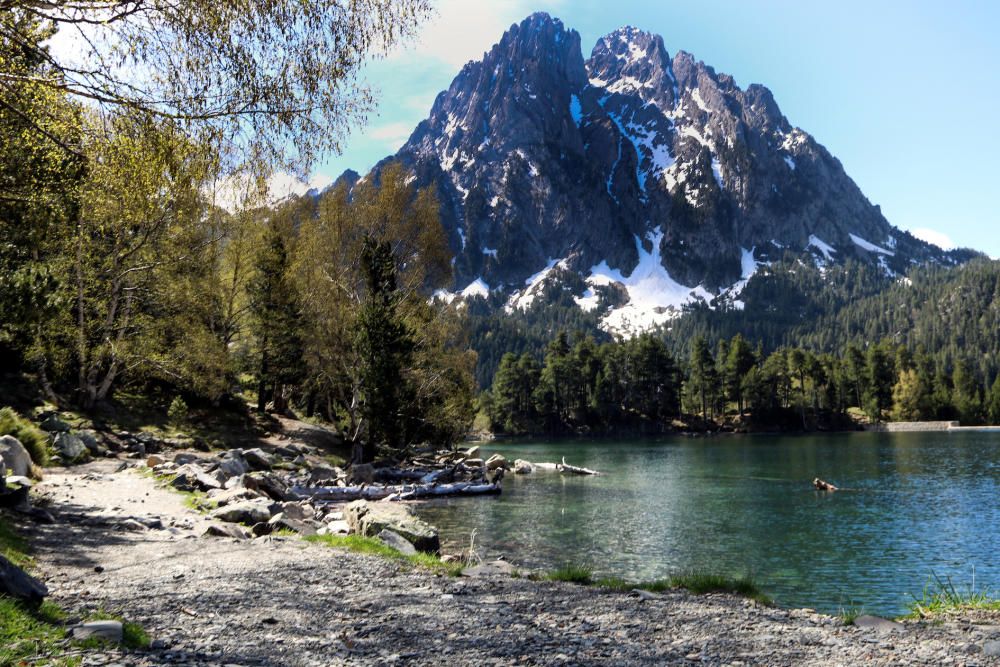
(638, 385)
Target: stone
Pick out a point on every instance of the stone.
(991, 648)
(867, 622)
(267, 484)
(522, 467)
(53, 424)
(192, 478)
(258, 459)
(232, 530)
(154, 460)
(90, 441)
(223, 497)
(232, 464)
(109, 631)
(396, 541)
(15, 456)
(298, 511)
(68, 446)
(496, 461)
(496, 568)
(323, 473)
(361, 473)
(17, 583)
(247, 511)
(337, 527)
(369, 519)
(281, 522)
(183, 459)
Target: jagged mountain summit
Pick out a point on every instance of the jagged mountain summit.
(641, 181)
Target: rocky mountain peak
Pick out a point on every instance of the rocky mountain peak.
(648, 177)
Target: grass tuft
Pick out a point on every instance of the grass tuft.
(369, 545)
(574, 574)
(697, 583)
(29, 435)
(942, 596)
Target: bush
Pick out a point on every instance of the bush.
(32, 437)
(178, 411)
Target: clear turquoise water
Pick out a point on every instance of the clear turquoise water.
(914, 505)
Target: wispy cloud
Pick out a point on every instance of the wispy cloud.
(940, 239)
(461, 30)
(282, 184)
(391, 135)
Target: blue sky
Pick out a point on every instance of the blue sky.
(906, 94)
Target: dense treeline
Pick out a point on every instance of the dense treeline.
(637, 385)
(952, 311)
(137, 250)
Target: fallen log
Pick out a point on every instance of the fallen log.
(574, 470)
(395, 492)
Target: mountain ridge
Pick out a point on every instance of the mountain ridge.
(640, 181)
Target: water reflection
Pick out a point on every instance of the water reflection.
(913, 504)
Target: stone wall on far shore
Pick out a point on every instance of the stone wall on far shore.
(905, 427)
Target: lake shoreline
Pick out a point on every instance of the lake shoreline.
(314, 605)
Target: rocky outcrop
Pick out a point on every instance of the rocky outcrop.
(370, 519)
(632, 164)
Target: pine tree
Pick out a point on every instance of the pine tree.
(385, 346)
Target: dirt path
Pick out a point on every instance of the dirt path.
(281, 601)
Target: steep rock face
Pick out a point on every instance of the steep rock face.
(651, 175)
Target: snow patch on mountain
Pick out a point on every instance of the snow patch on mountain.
(654, 297)
(523, 299)
(870, 247)
(477, 287)
(822, 246)
(576, 110)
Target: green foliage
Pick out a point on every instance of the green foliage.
(370, 545)
(177, 413)
(942, 596)
(32, 437)
(572, 573)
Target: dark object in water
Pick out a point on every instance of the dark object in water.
(820, 485)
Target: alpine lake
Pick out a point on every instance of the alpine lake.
(913, 509)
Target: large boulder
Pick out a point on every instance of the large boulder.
(258, 459)
(68, 446)
(370, 519)
(15, 456)
(17, 583)
(53, 424)
(232, 464)
(248, 512)
(393, 539)
(522, 467)
(496, 461)
(91, 442)
(192, 478)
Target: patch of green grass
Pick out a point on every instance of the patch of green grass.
(195, 500)
(942, 596)
(13, 547)
(697, 583)
(32, 437)
(369, 545)
(700, 583)
(574, 574)
(134, 636)
(30, 636)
